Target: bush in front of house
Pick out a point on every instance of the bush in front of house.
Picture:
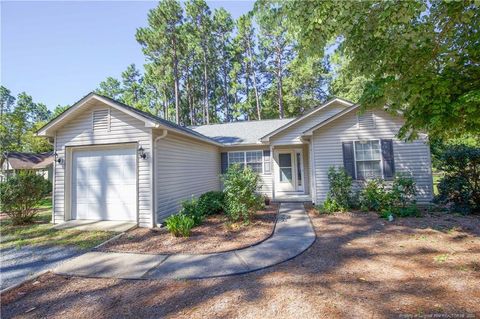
(340, 196)
(398, 200)
(190, 208)
(241, 198)
(459, 189)
(373, 196)
(180, 225)
(211, 203)
(21, 194)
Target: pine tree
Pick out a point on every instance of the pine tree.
(162, 41)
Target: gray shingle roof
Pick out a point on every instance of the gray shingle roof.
(20, 160)
(240, 133)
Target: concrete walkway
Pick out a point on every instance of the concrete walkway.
(103, 225)
(293, 235)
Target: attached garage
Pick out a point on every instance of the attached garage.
(105, 160)
(104, 185)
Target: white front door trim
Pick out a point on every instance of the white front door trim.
(293, 186)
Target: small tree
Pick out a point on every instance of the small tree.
(339, 197)
(20, 196)
(241, 198)
(460, 188)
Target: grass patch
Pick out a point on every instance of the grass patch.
(441, 258)
(41, 232)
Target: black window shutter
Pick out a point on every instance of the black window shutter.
(224, 162)
(388, 159)
(348, 158)
(266, 160)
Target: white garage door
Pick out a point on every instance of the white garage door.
(104, 184)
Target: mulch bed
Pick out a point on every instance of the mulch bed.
(360, 266)
(213, 235)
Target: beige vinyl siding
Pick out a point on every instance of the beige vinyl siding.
(266, 180)
(292, 134)
(412, 158)
(123, 128)
(185, 168)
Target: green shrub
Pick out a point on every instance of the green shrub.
(339, 197)
(459, 189)
(403, 192)
(398, 201)
(329, 206)
(180, 225)
(21, 194)
(241, 198)
(191, 209)
(373, 196)
(407, 211)
(211, 203)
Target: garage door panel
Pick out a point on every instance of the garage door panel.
(104, 184)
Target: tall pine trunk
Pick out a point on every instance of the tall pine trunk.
(279, 83)
(175, 75)
(205, 92)
(257, 98)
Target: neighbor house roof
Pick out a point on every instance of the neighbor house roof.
(149, 119)
(19, 160)
(240, 133)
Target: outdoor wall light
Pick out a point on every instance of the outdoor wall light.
(141, 153)
(58, 159)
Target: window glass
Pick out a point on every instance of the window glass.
(254, 160)
(285, 160)
(285, 165)
(236, 158)
(367, 157)
(266, 162)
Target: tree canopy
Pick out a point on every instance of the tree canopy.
(420, 58)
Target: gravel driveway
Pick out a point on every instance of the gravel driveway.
(19, 264)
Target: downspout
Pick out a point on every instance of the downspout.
(154, 173)
(313, 170)
(54, 175)
(272, 169)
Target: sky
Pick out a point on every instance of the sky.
(58, 52)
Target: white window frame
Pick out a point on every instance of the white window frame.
(355, 156)
(245, 159)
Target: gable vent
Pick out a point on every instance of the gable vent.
(366, 120)
(101, 120)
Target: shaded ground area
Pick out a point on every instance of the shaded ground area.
(41, 232)
(213, 235)
(19, 264)
(359, 267)
(26, 250)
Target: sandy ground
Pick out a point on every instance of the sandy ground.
(213, 235)
(359, 267)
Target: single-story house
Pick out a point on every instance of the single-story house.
(40, 163)
(115, 162)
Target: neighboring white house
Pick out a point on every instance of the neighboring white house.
(115, 162)
(13, 162)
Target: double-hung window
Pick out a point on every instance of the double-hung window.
(253, 159)
(368, 159)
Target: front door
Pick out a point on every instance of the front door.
(289, 176)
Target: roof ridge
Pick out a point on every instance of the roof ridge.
(238, 122)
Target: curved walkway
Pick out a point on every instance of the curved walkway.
(293, 235)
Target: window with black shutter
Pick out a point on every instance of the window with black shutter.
(388, 159)
(349, 158)
(224, 162)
